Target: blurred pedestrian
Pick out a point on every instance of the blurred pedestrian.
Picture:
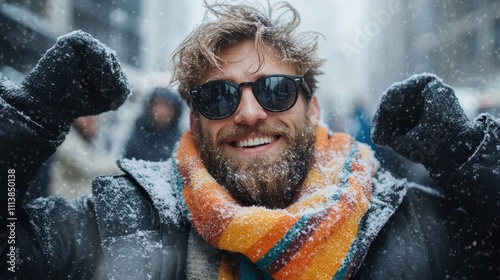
(158, 128)
(362, 122)
(78, 160)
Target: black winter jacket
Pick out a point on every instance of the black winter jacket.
(131, 227)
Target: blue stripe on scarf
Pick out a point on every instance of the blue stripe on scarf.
(283, 244)
(249, 271)
(347, 262)
(295, 231)
(178, 183)
(344, 183)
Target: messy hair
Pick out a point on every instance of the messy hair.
(231, 23)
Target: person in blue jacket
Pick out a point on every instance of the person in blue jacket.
(158, 127)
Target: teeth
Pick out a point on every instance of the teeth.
(255, 141)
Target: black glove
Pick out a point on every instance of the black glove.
(421, 119)
(78, 76)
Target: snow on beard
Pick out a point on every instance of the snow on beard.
(269, 181)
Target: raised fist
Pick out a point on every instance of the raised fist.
(78, 76)
(421, 119)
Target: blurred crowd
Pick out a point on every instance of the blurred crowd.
(146, 127)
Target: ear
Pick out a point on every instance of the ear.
(314, 110)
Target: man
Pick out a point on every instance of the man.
(257, 188)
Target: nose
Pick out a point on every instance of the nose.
(249, 111)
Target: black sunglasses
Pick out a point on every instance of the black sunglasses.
(217, 100)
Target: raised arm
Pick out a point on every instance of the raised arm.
(78, 76)
(421, 119)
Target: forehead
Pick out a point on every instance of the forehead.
(242, 62)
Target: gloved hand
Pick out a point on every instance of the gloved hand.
(421, 119)
(78, 76)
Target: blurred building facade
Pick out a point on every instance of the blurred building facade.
(389, 39)
(143, 33)
(459, 40)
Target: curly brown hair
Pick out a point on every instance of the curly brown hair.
(237, 22)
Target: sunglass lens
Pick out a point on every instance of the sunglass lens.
(218, 100)
(276, 93)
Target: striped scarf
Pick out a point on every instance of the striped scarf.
(313, 238)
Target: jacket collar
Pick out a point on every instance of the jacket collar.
(157, 179)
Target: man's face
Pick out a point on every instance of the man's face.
(260, 157)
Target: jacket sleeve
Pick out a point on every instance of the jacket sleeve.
(24, 146)
(58, 239)
(50, 236)
(475, 186)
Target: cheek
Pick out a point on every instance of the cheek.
(210, 128)
(298, 114)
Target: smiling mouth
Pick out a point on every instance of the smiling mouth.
(254, 142)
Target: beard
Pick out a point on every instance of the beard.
(271, 180)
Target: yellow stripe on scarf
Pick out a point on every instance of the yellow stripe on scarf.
(326, 261)
(241, 235)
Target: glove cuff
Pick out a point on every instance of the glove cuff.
(447, 149)
(46, 115)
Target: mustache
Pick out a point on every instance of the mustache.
(242, 131)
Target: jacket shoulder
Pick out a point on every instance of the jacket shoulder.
(142, 231)
(141, 199)
(415, 242)
(122, 208)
